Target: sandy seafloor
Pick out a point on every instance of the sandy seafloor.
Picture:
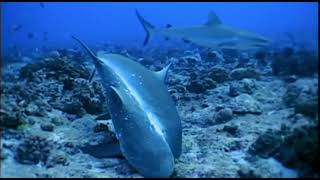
(240, 118)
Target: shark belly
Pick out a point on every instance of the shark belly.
(153, 98)
(144, 139)
(140, 143)
(145, 122)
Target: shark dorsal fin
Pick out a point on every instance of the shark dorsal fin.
(162, 74)
(213, 19)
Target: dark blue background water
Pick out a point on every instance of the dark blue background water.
(103, 22)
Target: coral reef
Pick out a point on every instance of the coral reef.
(294, 62)
(243, 115)
(32, 150)
(302, 96)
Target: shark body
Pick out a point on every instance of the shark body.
(213, 34)
(144, 116)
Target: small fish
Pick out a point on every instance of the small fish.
(42, 4)
(168, 26)
(16, 28)
(30, 35)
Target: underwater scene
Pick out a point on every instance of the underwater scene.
(159, 89)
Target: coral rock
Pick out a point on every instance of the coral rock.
(244, 104)
(241, 73)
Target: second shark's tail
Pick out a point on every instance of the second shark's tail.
(149, 28)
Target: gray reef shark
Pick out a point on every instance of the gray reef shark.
(144, 116)
(213, 34)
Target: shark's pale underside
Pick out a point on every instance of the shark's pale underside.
(144, 116)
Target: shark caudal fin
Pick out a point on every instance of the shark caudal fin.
(146, 26)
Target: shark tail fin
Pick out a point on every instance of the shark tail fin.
(146, 26)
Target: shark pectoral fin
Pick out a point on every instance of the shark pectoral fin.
(92, 75)
(258, 45)
(85, 47)
(228, 44)
(213, 19)
(229, 48)
(96, 60)
(118, 95)
(162, 74)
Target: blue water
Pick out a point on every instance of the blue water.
(232, 105)
(116, 22)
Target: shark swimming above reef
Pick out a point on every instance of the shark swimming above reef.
(213, 34)
(144, 116)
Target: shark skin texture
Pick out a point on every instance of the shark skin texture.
(144, 116)
(213, 34)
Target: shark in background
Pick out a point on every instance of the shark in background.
(144, 116)
(213, 34)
